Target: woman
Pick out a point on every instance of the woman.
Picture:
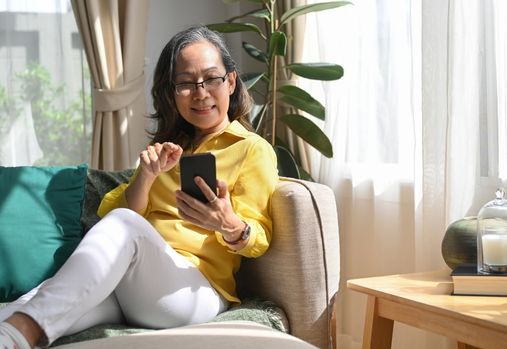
(160, 258)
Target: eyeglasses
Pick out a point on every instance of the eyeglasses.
(187, 88)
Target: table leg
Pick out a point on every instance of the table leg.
(333, 321)
(465, 346)
(378, 331)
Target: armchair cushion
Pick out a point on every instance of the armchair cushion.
(99, 183)
(255, 310)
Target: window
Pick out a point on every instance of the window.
(45, 94)
(492, 70)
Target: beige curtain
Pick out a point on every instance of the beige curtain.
(418, 124)
(295, 30)
(113, 33)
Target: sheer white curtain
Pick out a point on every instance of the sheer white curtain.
(45, 111)
(418, 124)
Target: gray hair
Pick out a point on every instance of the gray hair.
(169, 123)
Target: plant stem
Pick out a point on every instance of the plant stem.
(273, 67)
(261, 119)
(273, 98)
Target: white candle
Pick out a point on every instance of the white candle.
(494, 249)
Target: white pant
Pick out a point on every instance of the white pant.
(122, 269)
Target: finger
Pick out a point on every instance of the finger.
(183, 206)
(174, 151)
(222, 189)
(162, 155)
(155, 164)
(189, 201)
(189, 211)
(144, 157)
(152, 153)
(192, 220)
(201, 218)
(169, 146)
(209, 193)
(158, 147)
(170, 155)
(177, 152)
(186, 216)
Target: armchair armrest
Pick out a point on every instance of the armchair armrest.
(300, 271)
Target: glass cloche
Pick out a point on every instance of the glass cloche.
(492, 236)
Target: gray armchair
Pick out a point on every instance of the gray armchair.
(299, 273)
(301, 270)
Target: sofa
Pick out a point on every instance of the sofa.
(287, 294)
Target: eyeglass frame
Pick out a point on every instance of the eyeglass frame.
(202, 83)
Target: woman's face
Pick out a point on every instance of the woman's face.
(204, 107)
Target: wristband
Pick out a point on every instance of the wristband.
(245, 234)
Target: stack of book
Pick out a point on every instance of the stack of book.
(467, 281)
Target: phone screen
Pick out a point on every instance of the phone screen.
(202, 165)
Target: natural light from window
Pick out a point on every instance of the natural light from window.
(45, 101)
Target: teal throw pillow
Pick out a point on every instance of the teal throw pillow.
(40, 211)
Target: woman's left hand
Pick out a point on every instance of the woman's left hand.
(217, 214)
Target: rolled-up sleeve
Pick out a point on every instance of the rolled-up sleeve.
(251, 195)
(116, 199)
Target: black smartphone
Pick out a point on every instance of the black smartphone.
(202, 165)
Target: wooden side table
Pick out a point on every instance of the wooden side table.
(424, 300)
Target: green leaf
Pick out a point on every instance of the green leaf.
(235, 27)
(260, 121)
(301, 99)
(280, 142)
(287, 166)
(256, 114)
(317, 71)
(309, 132)
(262, 13)
(277, 44)
(305, 175)
(301, 10)
(250, 79)
(255, 111)
(255, 53)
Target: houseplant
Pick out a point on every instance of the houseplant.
(288, 103)
(63, 131)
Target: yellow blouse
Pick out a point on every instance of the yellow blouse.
(247, 163)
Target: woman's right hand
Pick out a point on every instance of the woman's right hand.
(158, 158)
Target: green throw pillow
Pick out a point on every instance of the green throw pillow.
(40, 211)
